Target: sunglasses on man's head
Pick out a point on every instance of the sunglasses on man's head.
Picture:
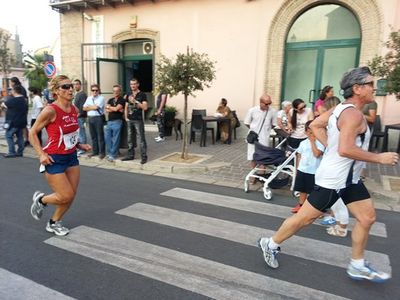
(66, 86)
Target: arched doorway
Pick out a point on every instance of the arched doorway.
(321, 45)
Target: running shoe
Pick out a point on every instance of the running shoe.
(296, 208)
(367, 272)
(336, 230)
(329, 220)
(268, 253)
(57, 228)
(160, 140)
(37, 207)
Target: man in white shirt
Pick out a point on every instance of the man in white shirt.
(255, 121)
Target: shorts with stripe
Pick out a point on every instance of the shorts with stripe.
(323, 198)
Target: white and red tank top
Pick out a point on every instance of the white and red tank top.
(63, 133)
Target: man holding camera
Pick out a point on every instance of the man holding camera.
(135, 106)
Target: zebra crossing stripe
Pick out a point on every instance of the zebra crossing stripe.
(311, 249)
(196, 274)
(378, 229)
(13, 286)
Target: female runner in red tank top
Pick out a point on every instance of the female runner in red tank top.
(58, 157)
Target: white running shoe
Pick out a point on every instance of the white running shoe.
(268, 253)
(367, 272)
(160, 140)
(57, 228)
(37, 207)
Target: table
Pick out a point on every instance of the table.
(208, 119)
(386, 137)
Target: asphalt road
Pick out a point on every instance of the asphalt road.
(146, 237)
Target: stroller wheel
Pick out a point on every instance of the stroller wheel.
(296, 194)
(246, 186)
(267, 193)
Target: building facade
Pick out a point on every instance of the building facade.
(17, 68)
(288, 48)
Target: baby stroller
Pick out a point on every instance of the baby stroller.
(280, 165)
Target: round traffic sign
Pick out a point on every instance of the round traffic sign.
(49, 69)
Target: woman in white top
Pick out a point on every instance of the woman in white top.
(283, 119)
(37, 106)
(298, 117)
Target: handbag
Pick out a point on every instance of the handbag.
(252, 136)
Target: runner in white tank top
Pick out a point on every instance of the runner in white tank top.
(334, 168)
(344, 146)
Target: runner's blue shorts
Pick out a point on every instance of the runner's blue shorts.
(62, 162)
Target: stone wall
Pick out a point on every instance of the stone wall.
(71, 33)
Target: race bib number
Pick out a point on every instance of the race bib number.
(71, 139)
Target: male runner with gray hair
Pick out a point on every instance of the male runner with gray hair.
(344, 132)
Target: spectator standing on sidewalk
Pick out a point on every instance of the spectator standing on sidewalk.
(115, 109)
(16, 120)
(135, 106)
(37, 106)
(94, 105)
(79, 100)
(14, 81)
(260, 119)
(160, 113)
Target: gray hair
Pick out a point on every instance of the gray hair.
(286, 103)
(352, 77)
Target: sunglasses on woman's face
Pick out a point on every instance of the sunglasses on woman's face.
(301, 107)
(95, 90)
(66, 86)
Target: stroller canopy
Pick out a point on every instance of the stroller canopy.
(268, 155)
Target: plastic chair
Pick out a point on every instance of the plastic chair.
(237, 124)
(377, 133)
(197, 126)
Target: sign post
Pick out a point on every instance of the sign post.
(49, 69)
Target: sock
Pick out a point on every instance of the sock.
(51, 221)
(41, 202)
(358, 263)
(272, 245)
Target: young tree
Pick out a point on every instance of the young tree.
(185, 74)
(388, 66)
(34, 65)
(6, 57)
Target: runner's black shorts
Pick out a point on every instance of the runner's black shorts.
(304, 183)
(322, 198)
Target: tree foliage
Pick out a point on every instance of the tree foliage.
(34, 65)
(388, 66)
(6, 57)
(185, 74)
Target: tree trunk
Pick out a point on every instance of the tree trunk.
(184, 154)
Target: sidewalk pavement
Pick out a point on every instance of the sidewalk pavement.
(226, 165)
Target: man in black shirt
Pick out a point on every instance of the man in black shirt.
(14, 81)
(79, 100)
(115, 109)
(16, 121)
(136, 104)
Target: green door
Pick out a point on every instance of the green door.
(322, 44)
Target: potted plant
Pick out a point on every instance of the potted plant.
(186, 74)
(387, 67)
(170, 113)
